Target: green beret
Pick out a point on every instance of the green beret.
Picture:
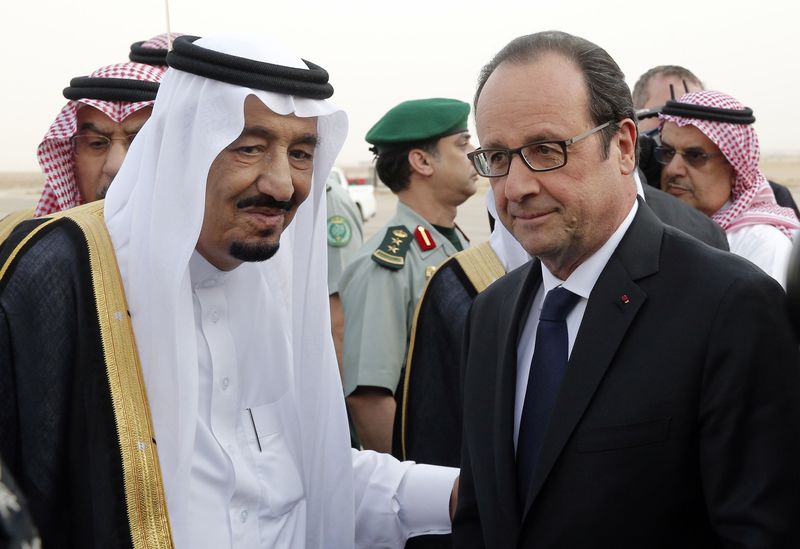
(419, 120)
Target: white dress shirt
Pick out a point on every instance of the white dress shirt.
(246, 486)
(580, 282)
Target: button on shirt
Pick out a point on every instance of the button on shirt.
(580, 282)
(229, 491)
(245, 486)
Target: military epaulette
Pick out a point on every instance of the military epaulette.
(392, 251)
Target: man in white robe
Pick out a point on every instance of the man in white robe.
(228, 304)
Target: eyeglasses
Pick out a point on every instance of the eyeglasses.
(696, 158)
(97, 145)
(539, 156)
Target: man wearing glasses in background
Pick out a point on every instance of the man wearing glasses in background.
(629, 387)
(710, 153)
(650, 93)
(87, 142)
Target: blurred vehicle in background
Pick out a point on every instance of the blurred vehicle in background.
(361, 191)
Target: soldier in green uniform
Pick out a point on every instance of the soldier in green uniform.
(345, 230)
(421, 149)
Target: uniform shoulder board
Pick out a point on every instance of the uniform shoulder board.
(392, 251)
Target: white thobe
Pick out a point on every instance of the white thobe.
(764, 245)
(246, 486)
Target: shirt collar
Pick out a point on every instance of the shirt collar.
(406, 216)
(638, 181)
(584, 277)
(203, 274)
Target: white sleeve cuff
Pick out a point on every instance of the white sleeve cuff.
(424, 497)
(396, 500)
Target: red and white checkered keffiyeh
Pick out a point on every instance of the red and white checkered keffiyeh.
(753, 200)
(55, 151)
(161, 42)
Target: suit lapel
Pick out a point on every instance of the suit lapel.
(613, 304)
(519, 304)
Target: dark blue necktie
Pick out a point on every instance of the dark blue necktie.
(544, 380)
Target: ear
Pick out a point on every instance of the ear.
(626, 139)
(732, 177)
(420, 162)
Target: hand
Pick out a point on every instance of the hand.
(454, 499)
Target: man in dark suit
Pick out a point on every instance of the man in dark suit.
(630, 387)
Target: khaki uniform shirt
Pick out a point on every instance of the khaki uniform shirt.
(379, 303)
(345, 232)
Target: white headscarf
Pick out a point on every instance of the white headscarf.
(154, 212)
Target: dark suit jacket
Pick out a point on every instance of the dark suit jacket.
(678, 420)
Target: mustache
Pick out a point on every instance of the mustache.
(675, 182)
(263, 201)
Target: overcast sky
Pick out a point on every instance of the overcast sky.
(381, 52)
